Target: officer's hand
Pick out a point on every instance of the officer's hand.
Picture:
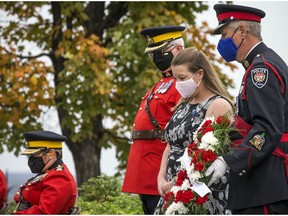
(218, 168)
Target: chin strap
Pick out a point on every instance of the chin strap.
(45, 168)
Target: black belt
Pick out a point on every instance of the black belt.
(147, 134)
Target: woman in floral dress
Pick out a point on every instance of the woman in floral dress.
(203, 95)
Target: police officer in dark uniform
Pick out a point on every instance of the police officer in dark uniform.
(258, 161)
(53, 190)
(154, 112)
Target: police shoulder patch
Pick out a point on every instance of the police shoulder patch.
(259, 77)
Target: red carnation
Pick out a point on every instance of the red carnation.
(219, 119)
(206, 124)
(192, 146)
(209, 155)
(208, 129)
(199, 166)
(182, 175)
(187, 196)
(178, 196)
(199, 152)
(201, 200)
(223, 120)
(169, 196)
(194, 160)
(184, 196)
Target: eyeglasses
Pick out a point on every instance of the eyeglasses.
(162, 52)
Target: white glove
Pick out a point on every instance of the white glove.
(218, 168)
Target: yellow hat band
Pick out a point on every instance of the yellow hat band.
(166, 36)
(44, 144)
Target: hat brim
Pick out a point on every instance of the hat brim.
(31, 151)
(217, 29)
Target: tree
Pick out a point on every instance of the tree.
(94, 52)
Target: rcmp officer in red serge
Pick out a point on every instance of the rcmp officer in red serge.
(154, 112)
(53, 190)
(3, 191)
(258, 162)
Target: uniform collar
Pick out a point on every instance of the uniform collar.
(167, 74)
(259, 48)
(55, 164)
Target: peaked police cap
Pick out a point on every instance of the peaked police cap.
(228, 12)
(39, 140)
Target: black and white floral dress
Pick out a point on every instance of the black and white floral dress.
(179, 134)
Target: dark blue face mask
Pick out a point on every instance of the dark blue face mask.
(227, 48)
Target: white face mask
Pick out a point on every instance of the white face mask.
(187, 88)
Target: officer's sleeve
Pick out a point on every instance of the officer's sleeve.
(56, 192)
(3, 189)
(265, 107)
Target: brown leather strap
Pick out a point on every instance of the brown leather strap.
(147, 109)
(147, 134)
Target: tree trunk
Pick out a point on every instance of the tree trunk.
(87, 159)
(87, 153)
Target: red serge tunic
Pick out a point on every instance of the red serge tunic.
(53, 192)
(3, 189)
(145, 155)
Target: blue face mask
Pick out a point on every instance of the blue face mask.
(227, 48)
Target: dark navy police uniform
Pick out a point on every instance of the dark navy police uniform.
(259, 176)
(259, 160)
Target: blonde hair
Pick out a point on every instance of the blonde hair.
(196, 60)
